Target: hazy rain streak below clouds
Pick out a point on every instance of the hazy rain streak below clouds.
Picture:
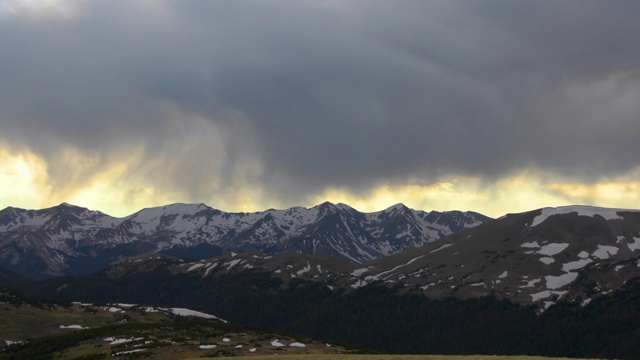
(319, 94)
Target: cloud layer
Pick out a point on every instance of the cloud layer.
(283, 102)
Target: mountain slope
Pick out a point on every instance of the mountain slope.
(67, 239)
(537, 257)
(575, 252)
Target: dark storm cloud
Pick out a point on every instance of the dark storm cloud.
(319, 94)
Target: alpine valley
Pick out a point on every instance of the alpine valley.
(554, 282)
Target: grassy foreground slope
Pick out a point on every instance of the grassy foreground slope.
(39, 329)
(29, 321)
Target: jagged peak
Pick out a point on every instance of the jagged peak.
(399, 207)
(12, 209)
(174, 208)
(66, 205)
(326, 204)
(330, 205)
(65, 208)
(327, 208)
(180, 206)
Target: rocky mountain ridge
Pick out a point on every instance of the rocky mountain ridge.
(67, 239)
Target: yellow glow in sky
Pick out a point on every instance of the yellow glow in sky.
(515, 194)
(25, 183)
(22, 180)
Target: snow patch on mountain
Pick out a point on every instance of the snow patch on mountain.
(605, 252)
(196, 266)
(440, 248)
(358, 272)
(378, 276)
(189, 312)
(209, 268)
(305, 269)
(608, 214)
(576, 265)
(547, 260)
(232, 263)
(552, 249)
(545, 294)
(530, 283)
(530, 245)
(556, 282)
(73, 327)
(635, 245)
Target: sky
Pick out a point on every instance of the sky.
(490, 106)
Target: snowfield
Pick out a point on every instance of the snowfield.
(553, 249)
(608, 214)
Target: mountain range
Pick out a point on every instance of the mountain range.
(559, 281)
(573, 253)
(67, 239)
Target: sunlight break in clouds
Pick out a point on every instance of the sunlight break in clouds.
(22, 180)
(25, 183)
(623, 192)
(521, 192)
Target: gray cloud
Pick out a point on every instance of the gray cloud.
(345, 94)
